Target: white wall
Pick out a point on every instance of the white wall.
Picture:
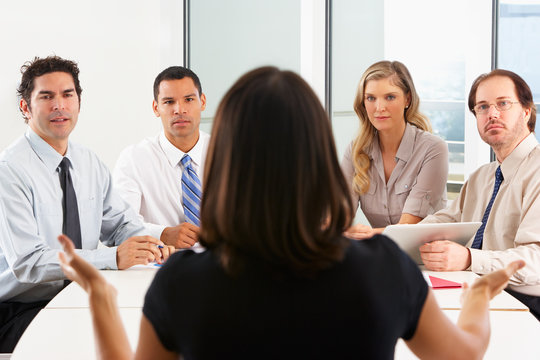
(120, 47)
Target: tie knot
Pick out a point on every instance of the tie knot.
(64, 164)
(186, 161)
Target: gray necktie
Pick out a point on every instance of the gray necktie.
(71, 226)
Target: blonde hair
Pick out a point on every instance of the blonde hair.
(400, 77)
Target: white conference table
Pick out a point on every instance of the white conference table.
(515, 332)
(514, 335)
(131, 284)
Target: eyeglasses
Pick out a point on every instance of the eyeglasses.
(501, 105)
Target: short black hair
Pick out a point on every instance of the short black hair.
(176, 73)
(41, 66)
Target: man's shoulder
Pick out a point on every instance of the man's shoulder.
(204, 138)
(534, 155)
(148, 147)
(483, 172)
(204, 135)
(17, 152)
(83, 154)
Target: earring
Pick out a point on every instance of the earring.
(406, 107)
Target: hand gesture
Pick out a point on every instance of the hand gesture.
(79, 270)
(493, 283)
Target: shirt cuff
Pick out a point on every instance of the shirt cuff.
(103, 258)
(480, 263)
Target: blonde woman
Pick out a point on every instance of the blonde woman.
(396, 168)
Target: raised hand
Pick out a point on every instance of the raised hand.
(77, 269)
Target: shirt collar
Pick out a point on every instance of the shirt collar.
(374, 150)
(174, 155)
(50, 157)
(510, 165)
(405, 148)
(406, 145)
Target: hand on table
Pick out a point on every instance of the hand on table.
(444, 255)
(141, 250)
(181, 236)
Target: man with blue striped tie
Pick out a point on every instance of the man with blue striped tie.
(504, 195)
(161, 177)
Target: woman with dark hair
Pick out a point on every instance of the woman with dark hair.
(278, 280)
(396, 168)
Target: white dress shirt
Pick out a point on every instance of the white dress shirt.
(31, 216)
(148, 176)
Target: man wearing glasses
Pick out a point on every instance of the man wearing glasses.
(504, 195)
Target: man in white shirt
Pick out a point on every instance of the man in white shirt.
(151, 175)
(504, 195)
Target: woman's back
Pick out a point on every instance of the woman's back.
(359, 307)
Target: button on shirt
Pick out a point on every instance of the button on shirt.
(148, 176)
(417, 185)
(512, 229)
(31, 216)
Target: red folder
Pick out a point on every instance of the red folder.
(438, 283)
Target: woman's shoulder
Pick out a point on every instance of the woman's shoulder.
(426, 141)
(428, 137)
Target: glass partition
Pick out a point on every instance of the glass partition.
(228, 38)
(518, 39)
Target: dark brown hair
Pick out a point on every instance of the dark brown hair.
(523, 92)
(273, 187)
(41, 66)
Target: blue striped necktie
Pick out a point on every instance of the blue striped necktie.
(479, 237)
(191, 192)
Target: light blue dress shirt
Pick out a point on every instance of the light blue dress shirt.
(31, 216)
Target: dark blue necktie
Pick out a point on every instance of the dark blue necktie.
(479, 237)
(191, 192)
(71, 226)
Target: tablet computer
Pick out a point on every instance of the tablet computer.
(410, 237)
